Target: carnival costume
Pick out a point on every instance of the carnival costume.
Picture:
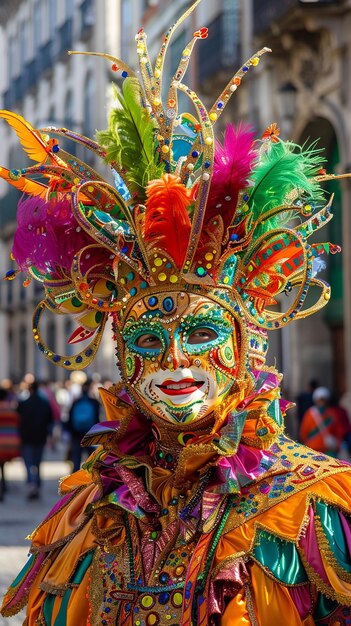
(195, 509)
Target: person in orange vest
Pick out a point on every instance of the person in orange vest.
(323, 426)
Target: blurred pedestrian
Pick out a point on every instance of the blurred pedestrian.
(304, 400)
(47, 392)
(36, 421)
(84, 413)
(324, 427)
(11, 396)
(9, 435)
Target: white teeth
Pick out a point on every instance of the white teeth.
(178, 386)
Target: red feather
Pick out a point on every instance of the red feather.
(232, 167)
(167, 223)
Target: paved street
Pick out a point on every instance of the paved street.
(19, 516)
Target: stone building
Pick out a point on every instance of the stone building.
(305, 86)
(48, 87)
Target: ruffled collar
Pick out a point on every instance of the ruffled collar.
(224, 458)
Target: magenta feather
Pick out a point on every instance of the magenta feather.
(233, 163)
(47, 235)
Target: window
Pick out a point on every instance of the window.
(88, 114)
(68, 121)
(69, 8)
(51, 335)
(52, 18)
(23, 350)
(11, 58)
(37, 25)
(22, 294)
(68, 330)
(89, 89)
(9, 292)
(126, 27)
(52, 118)
(176, 49)
(23, 44)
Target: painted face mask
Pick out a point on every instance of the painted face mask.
(180, 355)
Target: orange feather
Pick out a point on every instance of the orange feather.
(31, 140)
(167, 224)
(31, 187)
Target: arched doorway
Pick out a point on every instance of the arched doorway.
(321, 130)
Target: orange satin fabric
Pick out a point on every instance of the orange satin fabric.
(236, 612)
(279, 519)
(66, 521)
(273, 602)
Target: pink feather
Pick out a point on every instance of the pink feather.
(233, 163)
(47, 235)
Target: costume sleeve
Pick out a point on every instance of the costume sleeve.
(272, 573)
(55, 580)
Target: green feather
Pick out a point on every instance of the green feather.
(283, 170)
(129, 140)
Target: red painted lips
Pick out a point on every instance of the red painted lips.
(180, 387)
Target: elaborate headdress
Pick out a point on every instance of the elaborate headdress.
(185, 212)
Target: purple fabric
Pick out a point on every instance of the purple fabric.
(123, 496)
(121, 486)
(309, 544)
(245, 466)
(27, 582)
(125, 397)
(346, 526)
(226, 585)
(301, 598)
(137, 438)
(248, 461)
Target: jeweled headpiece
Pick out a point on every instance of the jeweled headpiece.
(186, 212)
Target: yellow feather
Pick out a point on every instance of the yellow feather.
(30, 139)
(24, 184)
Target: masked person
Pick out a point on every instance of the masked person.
(195, 508)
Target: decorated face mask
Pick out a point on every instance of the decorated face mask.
(180, 355)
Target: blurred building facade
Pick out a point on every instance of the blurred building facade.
(303, 85)
(48, 87)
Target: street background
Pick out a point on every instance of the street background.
(19, 517)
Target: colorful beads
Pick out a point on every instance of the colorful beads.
(147, 601)
(168, 304)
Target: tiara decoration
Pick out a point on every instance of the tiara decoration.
(186, 212)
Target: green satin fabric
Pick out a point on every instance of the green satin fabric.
(279, 557)
(82, 568)
(61, 618)
(48, 608)
(334, 533)
(324, 607)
